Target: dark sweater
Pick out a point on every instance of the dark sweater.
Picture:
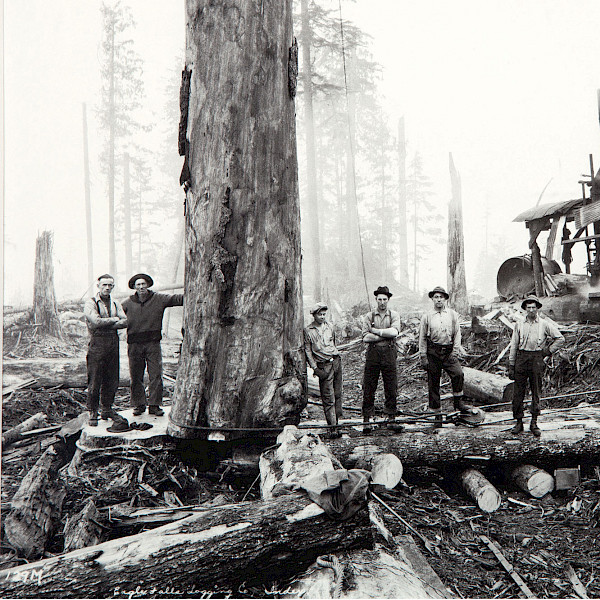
(144, 319)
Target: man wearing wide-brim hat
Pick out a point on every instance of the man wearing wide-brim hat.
(324, 358)
(380, 328)
(528, 348)
(439, 346)
(144, 310)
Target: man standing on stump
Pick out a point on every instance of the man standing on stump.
(439, 344)
(380, 328)
(103, 315)
(324, 359)
(528, 348)
(144, 311)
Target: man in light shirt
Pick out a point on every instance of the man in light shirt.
(439, 345)
(528, 349)
(380, 328)
(324, 359)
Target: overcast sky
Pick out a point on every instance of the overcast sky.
(508, 87)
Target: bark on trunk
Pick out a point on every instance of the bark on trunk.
(218, 549)
(45, 312)
(311, 169)
(457, 283)
(487, 387)
(481, 490)
(88, 202)
(82, 530)
(532, 480)
(242, 363)
(36, 506)
(66, 372)
(12, 435)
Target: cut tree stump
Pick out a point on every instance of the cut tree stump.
(36, 506)
(217, 549)
(486, 496)
(487, 387)
(66, 372)
(12, 435)
(536, 482)
(82, 529)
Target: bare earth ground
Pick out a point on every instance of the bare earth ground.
(539, 537)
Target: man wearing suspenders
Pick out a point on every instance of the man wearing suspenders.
(439, 343)
(380, 328)
(104, 315)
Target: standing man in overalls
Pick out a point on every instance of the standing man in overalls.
(439, 344)
(380, 328)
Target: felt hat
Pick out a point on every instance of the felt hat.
(383, 289)
(531, 298)
(148, 279)
(439, 290)
(317, 307)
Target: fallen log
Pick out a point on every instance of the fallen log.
(36, 506)
(536, 482)
(487, 387)
(66, 372)
(82, 529)
(16, 433)
(481, 490)
(386, 469)
(563, 442)
(251, 542)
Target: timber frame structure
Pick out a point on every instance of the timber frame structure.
(584, 212)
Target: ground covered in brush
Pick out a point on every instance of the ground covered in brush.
(546, 540)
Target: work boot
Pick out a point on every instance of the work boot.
(93, 419)
(333, 433)
(109, 413)
(533, 427)
(367, 428)
(393, 425)
(139, 410)
(156, 410)
(438, 420)
(518, 428)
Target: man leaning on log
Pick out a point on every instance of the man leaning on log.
(104, 315)
(144, 310)
(324, 359)
(526, 360)
(439, 344)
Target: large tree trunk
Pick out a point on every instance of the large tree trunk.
(242, 363)
(127, 214)
(45, 312)
(65, 372)
(112, 252)
(563, 441)
(457, 283)
(218, 549)
(311, 170)
(402, 233)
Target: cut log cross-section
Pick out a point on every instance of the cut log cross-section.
(532, 480)
(488, 498)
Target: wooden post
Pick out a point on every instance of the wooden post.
(242, 361)
(457, 283)
(45, 312)
(88, 203)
